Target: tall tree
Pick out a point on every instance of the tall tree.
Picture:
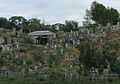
(102, 15)
(114, 16)
(34, 24)
(18, 22)
(98, 12)
(71, 26)
(91, 56)
(57, 27)
(4, 23)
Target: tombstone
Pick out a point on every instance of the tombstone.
(66, 45)
(69, 35)
(57, 28)
(62, 51)
(17, 45)
(55, 46)
(77, 34)
(93, 73)
(108, 25)
(99, 26)
(74, 42)
(118, 24)
(87, 31)
(71, 32)
(78, 42)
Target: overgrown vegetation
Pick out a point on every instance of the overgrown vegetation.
(91, 51)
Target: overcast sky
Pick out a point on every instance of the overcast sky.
(52, 11)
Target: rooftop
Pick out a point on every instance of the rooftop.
(36, 33)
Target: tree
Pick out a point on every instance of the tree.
(87, 18)
(91, 56)
(114, 18)
(34, 24)
(116, 67)
(102, 15)
(4, 23)
(57, 27)
(98, 12)
(18, 22)
(71, 26)
(110, 51)
(104, 57)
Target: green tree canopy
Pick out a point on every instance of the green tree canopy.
(102, 15)
(34, 24)
(18, 22)
(71, 26)
(4, 23)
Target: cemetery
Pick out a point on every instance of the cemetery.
(33, 51)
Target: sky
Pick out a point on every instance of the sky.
(51, 11)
